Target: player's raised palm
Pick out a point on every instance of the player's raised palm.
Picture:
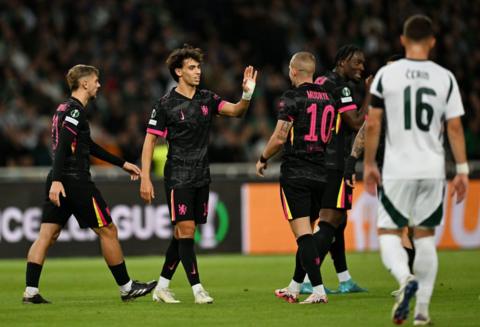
(249, 79)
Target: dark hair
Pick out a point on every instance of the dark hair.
(418, 28)
(394, 57)
(76, 72)
(176, 58)
(346, 52)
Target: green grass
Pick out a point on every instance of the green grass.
(84, 294)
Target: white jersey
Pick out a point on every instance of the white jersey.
(418, 96)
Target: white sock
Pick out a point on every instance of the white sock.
(425, 267)
(197, 288)
(421, 308)
(126, 287)
(394, 257)
(319, 289)
(344, 276)
(306, 279)
(294, 286)
(163, 283)
(31, 291)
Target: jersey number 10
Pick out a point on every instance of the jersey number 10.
(328, 116)
(421, 108)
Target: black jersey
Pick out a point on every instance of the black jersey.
(185, 123)
(341, 145)
(69, 125)
(72, 145)
(312, 111)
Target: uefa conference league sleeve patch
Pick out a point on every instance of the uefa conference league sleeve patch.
(152, 120)
(72, 117)
(346, 95)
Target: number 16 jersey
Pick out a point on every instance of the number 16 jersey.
(417, 97)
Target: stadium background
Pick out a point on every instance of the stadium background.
(129, 41)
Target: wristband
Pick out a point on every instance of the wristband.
(462, 168)
(263, 159)
(247, 95)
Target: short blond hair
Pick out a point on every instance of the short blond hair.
(78, 71)
(304, 62)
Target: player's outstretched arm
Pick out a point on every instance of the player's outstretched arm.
(277, 140)
(457, 143)
(146, 187)
(372, 135)
(248, 85)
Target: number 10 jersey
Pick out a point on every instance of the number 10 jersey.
(311, 110)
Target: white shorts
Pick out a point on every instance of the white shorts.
(411, 203)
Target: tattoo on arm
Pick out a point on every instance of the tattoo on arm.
(284, 129)
(359, 143)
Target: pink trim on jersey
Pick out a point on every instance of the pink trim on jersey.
(348, 108)
(320, 80)
(62, 107)
(221, 104)
(159, 133)
(71, 130)
(291, 118)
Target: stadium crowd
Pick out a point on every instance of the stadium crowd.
(129, 41)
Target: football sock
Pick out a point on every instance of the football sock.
(294, 286)
(425, 268)
(344, 276)
(163, 283)
(319, 289)
(309, 259)
(31, 291)
(197, 288)
(394, 257)
(299, 274)
(337, 249)
(33, 274)
(126, 287)
(189, 259)
(323, 238)
(172, 259)
(120, 273)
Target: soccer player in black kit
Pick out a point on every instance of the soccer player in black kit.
(306, 117)
(349, 66)
(184, 117)
(70, 190)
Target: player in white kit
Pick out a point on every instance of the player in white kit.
(418, 98)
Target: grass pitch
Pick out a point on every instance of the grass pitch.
(84, 294)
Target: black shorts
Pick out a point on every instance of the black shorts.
(338, 195)
(301, 197)
(188, 204)
(83, 200)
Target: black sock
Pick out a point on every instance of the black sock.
(310, 259)
(323, 239)
(33, 274)
(172, 259)
(337, 249)
(411, 257)
(120, 273)
(299, 273)
(189, 259)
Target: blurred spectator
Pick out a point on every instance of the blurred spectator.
(129, 41)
